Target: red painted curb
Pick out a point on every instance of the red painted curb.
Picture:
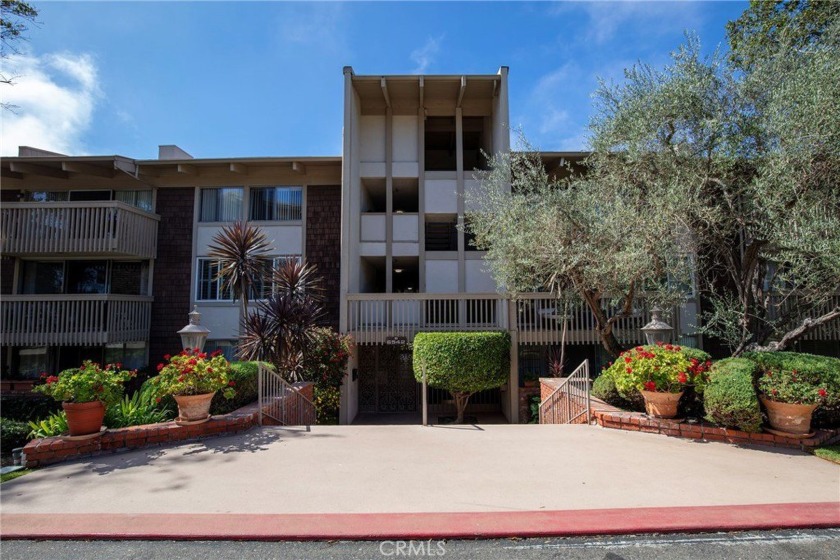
(381, 526)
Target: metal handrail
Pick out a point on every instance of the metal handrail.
(281, 401)
(570, 401)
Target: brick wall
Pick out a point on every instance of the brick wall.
(171, 286)
(323, 243)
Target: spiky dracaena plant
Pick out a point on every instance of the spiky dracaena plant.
(242, 251)
(283, 328)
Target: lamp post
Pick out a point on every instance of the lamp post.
(194, 335)
(657, 330)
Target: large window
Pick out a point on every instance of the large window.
(142, 199)
(282, 204)
(221, 205)
(85, 277)
(209, 287)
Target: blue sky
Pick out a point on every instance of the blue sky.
(229, 79)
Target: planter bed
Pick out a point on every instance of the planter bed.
(47, 451)
(611, 417)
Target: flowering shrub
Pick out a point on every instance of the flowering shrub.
(326, 361)
(90, 382)
(192, 372)
(792, 387)
(664, 368)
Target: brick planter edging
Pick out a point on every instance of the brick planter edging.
(611, 417)
(47, 451)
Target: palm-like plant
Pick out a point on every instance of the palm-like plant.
(283, 328)
(241, 250)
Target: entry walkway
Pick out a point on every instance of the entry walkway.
(414, 469)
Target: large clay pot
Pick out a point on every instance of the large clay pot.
(194, 408)
(661, 405)
(789, 418)
(84, 418)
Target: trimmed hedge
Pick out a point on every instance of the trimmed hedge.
(730, 399)
(244, 375)
(462, 362)
(604, 388)
(13, 433)
(28, 407)
(824, 368)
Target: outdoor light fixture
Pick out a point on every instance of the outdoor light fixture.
(194, 335)
(398, 270)
(657, 330)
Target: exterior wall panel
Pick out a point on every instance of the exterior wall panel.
(323, 242)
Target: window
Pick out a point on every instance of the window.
(45, 196)
(140, 199)
(32, 362)
(132, 355)
(209, 287)
(221, 205)
(263, 289)
(282, 204)
(130, 278)
(42, 277)
(228, 348)
(87, 277)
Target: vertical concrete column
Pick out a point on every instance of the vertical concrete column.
(347, 393)
(421, 193)
(459, 177)
(389, 200)
(513, 381)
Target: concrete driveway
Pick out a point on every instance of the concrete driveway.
(382, 469)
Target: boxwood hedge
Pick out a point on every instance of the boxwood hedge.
(462, 362)
(730, 399)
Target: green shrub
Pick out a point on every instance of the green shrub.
(327, 402)
(13, 433)
(462, 363)
(244, 376)
(53, 425)
(141, 408)
(822, 371)
(730, 399)
(534, 409)
(604, 388)
(28, 407)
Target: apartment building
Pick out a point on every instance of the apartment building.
(104, 256)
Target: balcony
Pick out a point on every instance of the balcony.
(108, 229)
(372, 318)
(74, 320)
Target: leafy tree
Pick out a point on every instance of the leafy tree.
(462, 363)
(736, 167)
(283, 329)
(242, 251)
(15, 17)
(769, 26)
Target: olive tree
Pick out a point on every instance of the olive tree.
(462, 363)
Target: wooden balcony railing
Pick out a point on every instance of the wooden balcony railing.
(107, 228)
(372, 318)
(74, 320)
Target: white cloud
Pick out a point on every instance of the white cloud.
(315, 24)
(425, 55)
(642, 18)
(55, 96)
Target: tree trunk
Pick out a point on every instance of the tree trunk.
(792, 336)
(461, 400)
(608, 339)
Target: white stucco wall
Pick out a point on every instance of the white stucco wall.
(478, 280)
(221, 318)
(406, 227)
(372, 138)
(441, 277)
(405, 138)
(441, 196)
(373, 227)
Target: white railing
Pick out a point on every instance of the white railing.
(282, 402)
(372, 318)
(539, 320)
(89, 228)
(74, 320)
(827, 331)
(569, 402)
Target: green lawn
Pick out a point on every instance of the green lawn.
(829, 452)
(13, 475)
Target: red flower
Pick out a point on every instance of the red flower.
(628, 359)
(196, 350)
(52, 379)
(167, 357)
(193, 362)
(231, 383)
(157, 399)
(216, 353)
(639, 348)
(119, 365)
(629, 370)
(187, 351)
(682, 377)
(650, 386)
(822, 392)
(677, 348)
(669, 347)
(159, 367)
(43, 375)
(775, 392)
(209, 370)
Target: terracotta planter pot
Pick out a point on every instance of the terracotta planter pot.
(789, 418)
(194, 408)
(84, 418)
(661, 405)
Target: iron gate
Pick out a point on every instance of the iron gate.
(386, 380)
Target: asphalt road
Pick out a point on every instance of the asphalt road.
(776, 545)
